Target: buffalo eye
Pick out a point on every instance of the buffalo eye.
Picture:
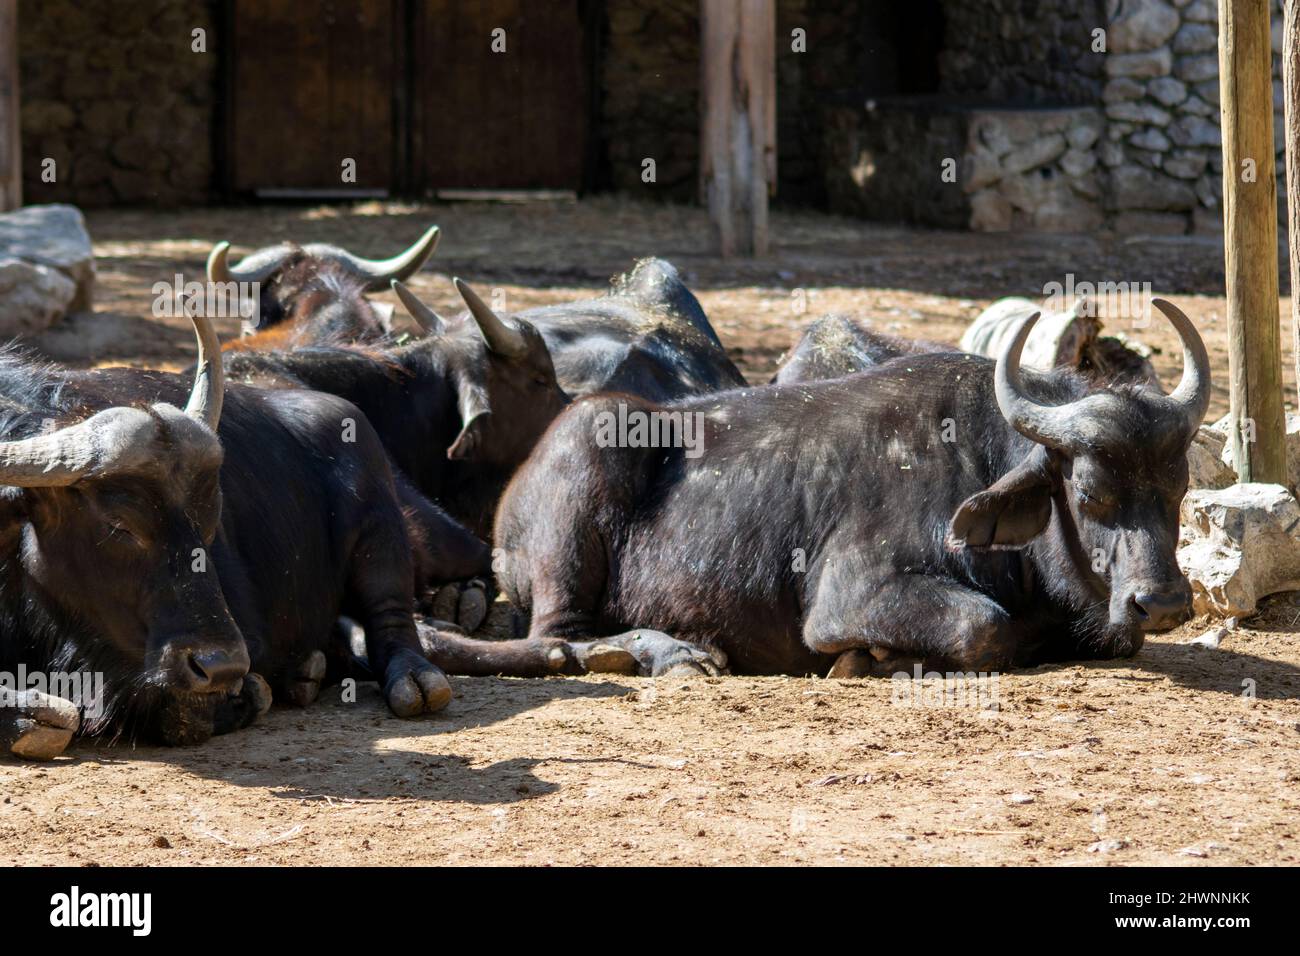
(120, 531)
(1092, 500)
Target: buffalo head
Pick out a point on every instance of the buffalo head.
(113, 518)
(502, 373)
(315, 294)
(1097, 499)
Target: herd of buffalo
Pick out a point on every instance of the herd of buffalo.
(287, 515)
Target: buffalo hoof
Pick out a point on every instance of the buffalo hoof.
(36, 726)
(854, 663)
(243, 707)
(413, 686)
(472, 607)
(303, 686)
(258, 694)
(597, 657)
(465, 604)
(874, 661)
(659, 655)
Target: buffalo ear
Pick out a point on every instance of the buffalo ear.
(470, 438)
(1010, 513)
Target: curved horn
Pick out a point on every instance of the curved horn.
(255, 268)
(501, 338)
(1192, 395)
(115, 435)
(209, 387)
(1046, 424)
(377, 273)
(425, 317)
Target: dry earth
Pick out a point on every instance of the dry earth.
(1185, 755)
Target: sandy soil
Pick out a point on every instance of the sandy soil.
(1185, 755)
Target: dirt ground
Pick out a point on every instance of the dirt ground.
(1184, 755)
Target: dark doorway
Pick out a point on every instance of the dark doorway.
(422, 96)
(311, 86)
(500, 95)
(902, 47)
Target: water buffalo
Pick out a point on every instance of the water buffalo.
(836, 345)
(943, 508)
(315, 294)
(647, 336)
(198, 557)
(458, 409)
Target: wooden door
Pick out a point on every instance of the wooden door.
(310, 86)
(499, 118)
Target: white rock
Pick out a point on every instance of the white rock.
(1138, 112)
(1211, 638)
(1205, 465)
(1078, 162)
(1238, 545)
(1292, 445)
(31, 296)
(990, 212)
(1168, 91)
(52, 235)
(1196, 38)
(1141, 25)
(1037, 153)
(1155, 63)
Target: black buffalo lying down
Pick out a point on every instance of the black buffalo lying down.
(940, 508)
(136, 545)
(647, 336)
(315, 294)
(833, 346)
(460, 409)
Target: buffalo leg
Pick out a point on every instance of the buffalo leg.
(905, 620)
(636, 652)
(529, 657)
(302, 686)
(654, 654)
(34, 725)
(380, 599)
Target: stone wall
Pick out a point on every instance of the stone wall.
(1163, 143)
(930, 162)
(1022, 51)
(113, 94)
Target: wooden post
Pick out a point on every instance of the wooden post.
(1291, 84)
(11, 156)
(1258, 429)
(738, 119)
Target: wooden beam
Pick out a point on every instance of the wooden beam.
(1258, 429)
(11, 154)
(738, 120)
(1291, 85)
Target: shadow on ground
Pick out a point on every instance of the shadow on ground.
(359, 751)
